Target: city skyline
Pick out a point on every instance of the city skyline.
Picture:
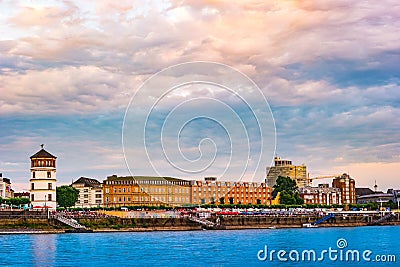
(328, 70)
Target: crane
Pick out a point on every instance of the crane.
(309, 180)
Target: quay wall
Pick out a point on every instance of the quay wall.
(40, 221)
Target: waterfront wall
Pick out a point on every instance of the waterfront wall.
(40, 221)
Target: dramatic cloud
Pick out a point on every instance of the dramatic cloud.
(329, 70)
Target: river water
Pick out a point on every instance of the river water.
(207, 248)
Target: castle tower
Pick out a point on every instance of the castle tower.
(43, 180)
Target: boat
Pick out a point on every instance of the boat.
(272, 227)
(309, 225)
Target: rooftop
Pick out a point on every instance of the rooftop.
(43, 154)
(88, 182)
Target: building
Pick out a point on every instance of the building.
(348, 187)
(375, 198)
(145, 190)
(5, 187)
(367, 195)
(362, 191)
(211, 191)
(43, 180)
(90, 192)
(285, 168)
(396, 194)
(23, 195)
(323, 194)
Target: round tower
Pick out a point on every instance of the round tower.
(43, 180)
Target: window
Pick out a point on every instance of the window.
(49, 197)
(98, 195)
(86, 201)
(85, 196)
(32, 186)
(33, 175)
(48, 174)
(33, 197)
(49, 186)
(85, 190)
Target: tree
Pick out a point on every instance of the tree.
(16, 201)
(66, 196)
(285, 184)
(288, 188)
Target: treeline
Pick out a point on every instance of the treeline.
(15, 201)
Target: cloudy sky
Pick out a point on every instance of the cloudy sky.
(329, 70)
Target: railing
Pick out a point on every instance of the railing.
(204, 222)
(384, 218)
(70, 222)
(327, 217)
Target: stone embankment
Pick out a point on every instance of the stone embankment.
(13, 222)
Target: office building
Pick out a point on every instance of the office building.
(285, 168)
(146, 190)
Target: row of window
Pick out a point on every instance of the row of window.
(151, 182)
(237, 195)
(145, 198)
(43, 163)
(149, 190)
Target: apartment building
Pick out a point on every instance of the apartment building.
(211, 191)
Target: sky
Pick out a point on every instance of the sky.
(92, 81)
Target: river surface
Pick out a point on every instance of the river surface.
(207, 248)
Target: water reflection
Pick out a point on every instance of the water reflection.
(43, 250)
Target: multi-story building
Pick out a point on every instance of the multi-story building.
(146, 190)
(285, 168)
(90, 192)
(5, 187)
(323, 194)
(43, 180)
(211, 191)
(348, 187)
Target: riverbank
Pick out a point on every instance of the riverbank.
(40, 224)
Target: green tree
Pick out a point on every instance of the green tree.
(66, 196)
(16, 201)
(288, 188)
(284, 184)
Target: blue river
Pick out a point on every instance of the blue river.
(350, 246)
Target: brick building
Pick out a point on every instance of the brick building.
(222, 192)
